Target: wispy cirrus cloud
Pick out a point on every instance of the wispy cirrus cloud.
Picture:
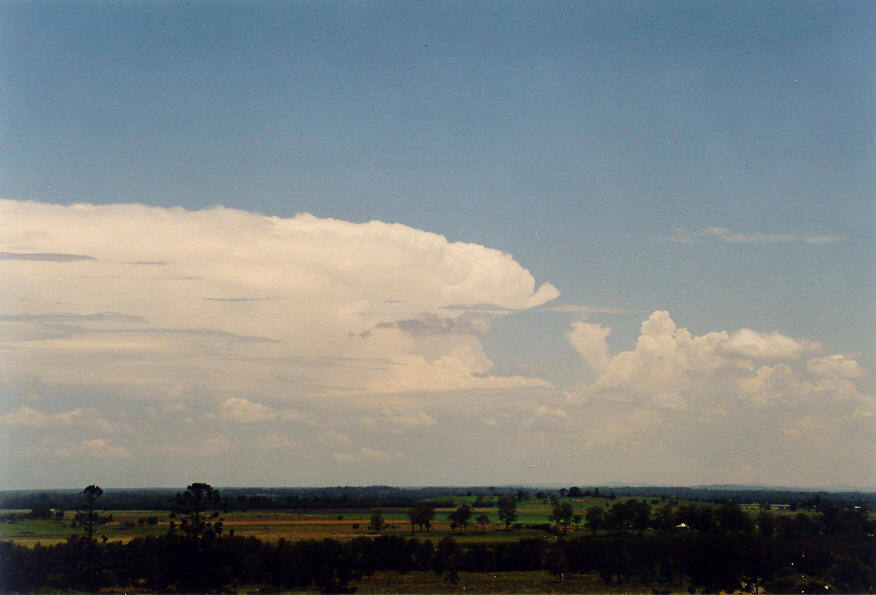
(723, 234)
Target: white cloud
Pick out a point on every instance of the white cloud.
(774, 384)
(671, 369)
(589, 341)
(836, 365)
(548, 419)
(102, 448)
(25, 417)
(805, 426)
(704, 407)
(31, 418)
(771, 346)
(244, 410)
(665, 366)
(242, 305)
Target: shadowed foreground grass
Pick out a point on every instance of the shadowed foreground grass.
(495, 582)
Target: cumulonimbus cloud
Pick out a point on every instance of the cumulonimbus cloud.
(247, 304)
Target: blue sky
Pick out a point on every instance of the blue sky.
(711, 160)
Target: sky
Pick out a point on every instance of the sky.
(437, 243)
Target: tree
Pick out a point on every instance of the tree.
(595, 517)
(665, 519)
(562, 514)
(483, 520)
(196, 508)
(376, 523)
(507, 506)
(460, 516)
(638, 513)
(575, 492)
(421, 515)
(89, 520)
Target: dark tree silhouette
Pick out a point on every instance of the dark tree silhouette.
(562, 514)
(376, 523)
(507, 506)
(421, 515)
(89, 521)
(460, 516)
(595, 517)
(196, 509)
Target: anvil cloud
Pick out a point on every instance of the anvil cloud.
(236, 303)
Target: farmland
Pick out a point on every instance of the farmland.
(340, 524)
(272, 525)
(624, 542)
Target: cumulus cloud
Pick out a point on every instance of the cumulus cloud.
(548, 419)
(772, 346)
(244, 410)
(589, 341)
(665, 366)
(28, 417)
(836, 365)
(244, 305)
(707, 406)
(100, 447)
(670, 369)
